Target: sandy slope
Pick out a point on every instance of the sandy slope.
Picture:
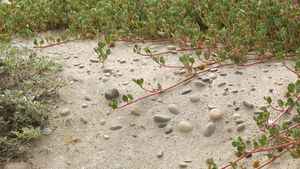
(136, 144)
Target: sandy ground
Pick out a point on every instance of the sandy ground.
(136, 144)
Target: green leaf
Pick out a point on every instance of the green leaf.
(35, 42)
(192, 60)
(279, 55)
(289, 102)
(291, 87)
(130, 97)
(125, 98)
(162, 60)
(41, 42)
(108, 51)
(240, 148)
(198, 52)
(235, 143)
(256, 146)
(280, 102)
(295, 156)
(268, 99)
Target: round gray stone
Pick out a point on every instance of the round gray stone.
(187, 91)
(168, 129)
(248, 105)
(87, 98)
(84, 105)
(209, 129)
(171, 47)
(111, 93)
(47, 131)
(173, 108)
(118, 166)
(160, 153)
(136, 111)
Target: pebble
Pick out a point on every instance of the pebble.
(215, 114)
(125, 83)
(212, 76)
(161, 118)
(238, 72)
(221, 84)
(240, 127)
(84, 105)
(107, 74)
(105, 79)
(235, 91)
(206, 80)
(160, 153)
(266, 70)
(168, 76)
(173, 108)
(111, 93)
(248, 105)
(136, 111)
(75, 79)
(144, 62)
(213, 70)
(183, 165)
(174, 52)
(211, 107)
(106, 136)
(162, 124)
(239, 121)
(199, 83)
(209, 129)
(118, 166)
(77, 64)
(168, 129)
(185, 126)
(223, 74)
(262, 107)
(107, 70)
(122, 61)
(181, 72)
(82, 66)
(65, 112)
(256, 112)
(47, 131)
(288, 122)
(87, 98)
(94, 60)
(117, 127)
(136, 59)
(171, 47)
(187, 91)
(194, 98)
(236, 116)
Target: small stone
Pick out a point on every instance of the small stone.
(162, 124)
(183, 165)
(171, 47)
(221, 84)
(168, 129)
(111, 93)
(240, 127)
(238, 72)
(161, 118)
(117, 127)
(215, 114)
(212, 76)
(185, 126)
(223, 74)
(119, 166)
(87, 98)
(213, 70)
(211, 107)
(65, 112)
(47, 131)
(239, 121)
(266, 70)
(187, 91)
(235, 91)
(94, 60)
(82, 66)
(288, 122)
(125, 83)
(181, 72)
(237, 109)
(107, 74)
(160, 153)
(262, 107)
(256, 112)
(168, 76)
(136, 59)
(173, 108)
(107, 70)
(122, 61)
(174, 52)
(209, 129)
(236, 116)
(106, 136)
(248, 105)
(75, 79)
(144, 62)
(77, 64)
(105, 79)
(199, 83)
(136, 111)
(84, 105)
(206, 80)
(194, 98)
